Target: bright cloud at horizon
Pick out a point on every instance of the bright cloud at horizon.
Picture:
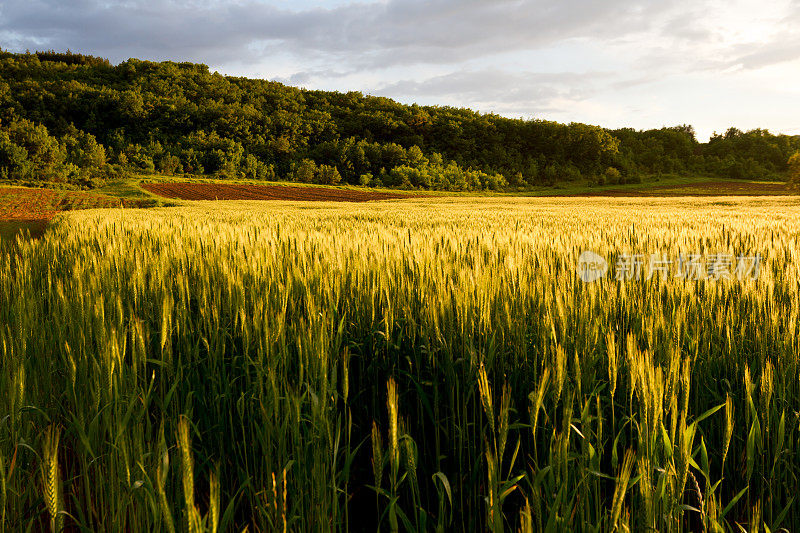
(640, 64)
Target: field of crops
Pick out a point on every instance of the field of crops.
(414, 366)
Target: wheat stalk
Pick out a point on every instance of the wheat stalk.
(51, 479)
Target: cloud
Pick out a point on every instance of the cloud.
(378, 35)
(734, 34)
(499, 90)
(370, 35)
(771, 54)
(781, 46)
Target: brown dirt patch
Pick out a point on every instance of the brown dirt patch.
(31, 209)
(25, 203)
(233, 191)
(708, 188)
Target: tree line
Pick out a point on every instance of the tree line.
(75, 118)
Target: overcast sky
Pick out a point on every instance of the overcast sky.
(644, 64)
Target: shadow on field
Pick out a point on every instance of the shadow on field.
(35, 227)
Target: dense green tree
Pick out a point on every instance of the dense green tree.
(255, 169)
(612, 175)
(170, 164)
(65, 115)
(327, 175)
(794, 171)
(83, 150)
(138, 158)
(305, 171)
(29, 152)
(14, 162)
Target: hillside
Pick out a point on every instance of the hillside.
(72, 118)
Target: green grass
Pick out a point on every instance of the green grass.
(668, 186)
(127, 188)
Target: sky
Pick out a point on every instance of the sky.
(641, 64)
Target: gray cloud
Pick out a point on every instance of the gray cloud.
(783, 46)
(501, 91)
(368, 35)
(770, 54)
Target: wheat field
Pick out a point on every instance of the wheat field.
(416, 365)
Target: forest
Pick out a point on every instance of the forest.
(77, 119)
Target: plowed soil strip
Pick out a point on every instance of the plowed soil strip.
(31, 209)
(24, 203)
(214, 191)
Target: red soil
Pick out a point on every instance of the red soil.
(23, 203)
(31, 209)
